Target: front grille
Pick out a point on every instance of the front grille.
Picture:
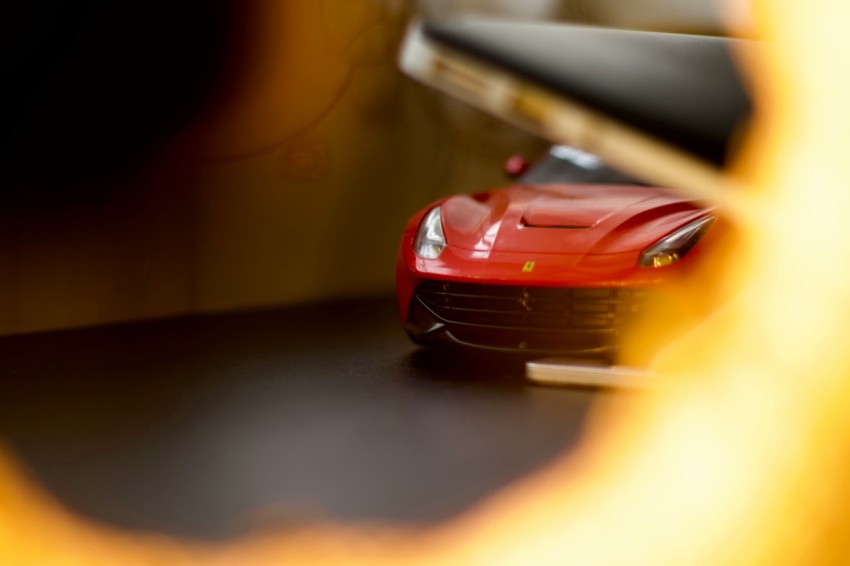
(544, 318)
(503, 306)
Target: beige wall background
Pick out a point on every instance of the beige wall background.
(303, 183)
(297, 189)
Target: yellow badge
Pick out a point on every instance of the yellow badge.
(528, 267)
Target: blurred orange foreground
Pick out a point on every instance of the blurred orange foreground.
(743, 456)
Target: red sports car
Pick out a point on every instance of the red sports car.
(555, 264)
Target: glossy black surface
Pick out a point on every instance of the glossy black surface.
(207, 426)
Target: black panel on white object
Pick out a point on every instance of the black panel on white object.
(682, 89)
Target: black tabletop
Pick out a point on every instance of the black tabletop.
(209, 426)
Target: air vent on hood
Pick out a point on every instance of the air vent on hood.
(572, 217)
(525, 223)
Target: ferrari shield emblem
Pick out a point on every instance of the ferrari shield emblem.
(528, 267)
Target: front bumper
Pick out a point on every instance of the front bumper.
(573, 321)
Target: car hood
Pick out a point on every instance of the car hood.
(571, 219)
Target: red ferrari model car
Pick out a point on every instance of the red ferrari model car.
(556, 264)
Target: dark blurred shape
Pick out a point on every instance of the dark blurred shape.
(93, 89)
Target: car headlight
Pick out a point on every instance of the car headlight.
(674, 247)
(430, 240)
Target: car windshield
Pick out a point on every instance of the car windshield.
(564, 164)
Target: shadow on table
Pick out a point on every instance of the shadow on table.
(489, 368)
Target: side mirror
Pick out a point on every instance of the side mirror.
(515, 165)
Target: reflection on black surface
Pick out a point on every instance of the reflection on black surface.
(204, 426)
